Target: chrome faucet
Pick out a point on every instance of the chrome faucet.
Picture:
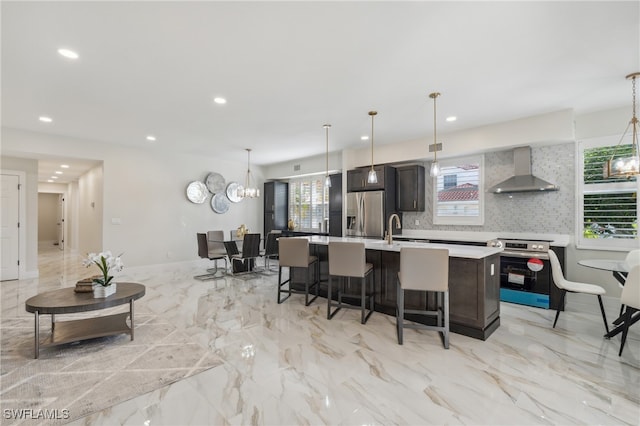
(398, 226)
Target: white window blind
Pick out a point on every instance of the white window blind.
(607, 207)
(459, 192)
(308, 202)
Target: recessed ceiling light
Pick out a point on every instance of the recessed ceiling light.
(451, 118)
(151, 138)
(364, 138)
(220, 101)
(50, 181)
(64, 166)
(54, 177)
(58, 172)
(45, 119)
(68, 53)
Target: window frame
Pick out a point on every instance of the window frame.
(461, 220)
(604, 244)
(324, 201)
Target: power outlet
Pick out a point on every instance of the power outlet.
(417, 222)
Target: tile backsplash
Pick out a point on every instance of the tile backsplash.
(544, 212)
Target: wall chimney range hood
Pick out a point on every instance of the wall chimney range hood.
(523, 180)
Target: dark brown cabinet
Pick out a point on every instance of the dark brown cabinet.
(357, 178)
(410, 188)
(276, 204)
(335, 206)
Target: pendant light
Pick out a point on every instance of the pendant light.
(373, 176)
(435, 167)
(327, 179)
(248, 191)
(626, 166)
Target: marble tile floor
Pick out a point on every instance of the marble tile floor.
(287, 364)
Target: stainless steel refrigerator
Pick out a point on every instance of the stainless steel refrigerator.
(365, 214)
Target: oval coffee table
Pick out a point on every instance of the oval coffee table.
(67, 301)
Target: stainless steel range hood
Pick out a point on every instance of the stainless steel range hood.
(523, 180)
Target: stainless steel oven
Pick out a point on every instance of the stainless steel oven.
(525, 271)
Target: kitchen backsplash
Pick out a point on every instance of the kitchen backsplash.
(543, 212)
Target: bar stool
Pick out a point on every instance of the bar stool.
(347, 259)
(294, 253)
(424, 269)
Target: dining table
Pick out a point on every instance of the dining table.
(619, 270)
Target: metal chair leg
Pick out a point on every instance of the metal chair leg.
(559, 306)
(604, 316)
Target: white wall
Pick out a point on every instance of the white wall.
(47, 218)
(145, 190)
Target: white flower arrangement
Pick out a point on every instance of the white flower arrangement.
(107, 263)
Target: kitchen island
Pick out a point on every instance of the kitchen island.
(474, 287)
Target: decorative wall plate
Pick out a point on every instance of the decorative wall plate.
(232, 192)
(215, 183)
(220, 203)
(197, 192)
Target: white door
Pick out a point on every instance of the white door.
(9, 226)
(60, 221)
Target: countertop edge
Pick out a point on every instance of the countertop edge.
(455, 250)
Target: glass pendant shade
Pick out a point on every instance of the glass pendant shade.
(372, 177)
(626, 167)
(435, 169)
(327, 181)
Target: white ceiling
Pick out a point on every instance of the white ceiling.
(286, 68)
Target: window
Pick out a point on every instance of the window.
(607, 207)
(308, 202)
(459, 192)
(450, 181)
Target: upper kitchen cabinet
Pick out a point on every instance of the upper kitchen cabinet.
(357, 179)
(276, 205)
(410, 188)
(335, 206)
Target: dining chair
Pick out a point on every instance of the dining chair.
(294, 253)
(630, 298)
(425, 270)
(348, 260)
(271, 248)
(573, 287)
(632, 259)
(207, 249)
(244, 261)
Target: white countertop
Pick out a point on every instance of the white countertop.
(455, 250)
(557, 240)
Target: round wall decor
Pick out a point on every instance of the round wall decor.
(197, 192)
(220, 203)
(215, 182)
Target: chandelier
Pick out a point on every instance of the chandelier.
(248, 191)
(626, 166)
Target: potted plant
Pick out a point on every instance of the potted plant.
(104, 286)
